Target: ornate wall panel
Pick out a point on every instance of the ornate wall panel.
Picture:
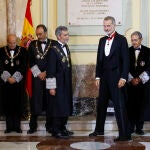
(3, 22)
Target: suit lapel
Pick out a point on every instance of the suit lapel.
(67, 48)
(112, 49)
(140, 54)
(102, 51)
(40, 47)
(47, 44)
(62, 51)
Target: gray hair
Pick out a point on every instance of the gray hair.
(59, 30)
(111, 18)
(139, 34)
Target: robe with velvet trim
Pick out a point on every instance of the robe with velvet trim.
(13, 94)
(59, 67)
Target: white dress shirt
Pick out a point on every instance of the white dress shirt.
(64, 48)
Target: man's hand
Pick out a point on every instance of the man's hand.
(52, 92)
(11, 80)
(121, 83)
(97, 82)
(135, 81)
(42, 75)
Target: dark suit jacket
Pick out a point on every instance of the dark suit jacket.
(118, 57)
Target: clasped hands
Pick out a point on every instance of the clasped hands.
(11, 80)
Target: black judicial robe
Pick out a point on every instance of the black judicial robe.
(38, 57)
(13, 94)
(138, 97)
(60, 68)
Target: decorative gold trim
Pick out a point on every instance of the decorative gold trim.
(39, 54)
(10, 57)
(64, 57)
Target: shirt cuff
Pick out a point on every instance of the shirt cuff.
(97, 78)
(17, 76)
(144, 77)
(51, 83)
(35, 70)
(130, 77)
(123, 79)
(5, 75)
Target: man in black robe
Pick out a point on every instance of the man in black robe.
(59, 83)
(37, 53)
(13, 60)
(137, 82)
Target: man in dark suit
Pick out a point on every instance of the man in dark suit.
(111, 74)
(37, 53)
(59, 83)
(13, 62)
(137, 82)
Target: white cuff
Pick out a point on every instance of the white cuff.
(5, 75)
(130, 77)
(144, 77)
(17, 76)
(51, 83)
(35, 70)
(97, 78)
(123, 79)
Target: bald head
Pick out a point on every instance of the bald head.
(11, 41)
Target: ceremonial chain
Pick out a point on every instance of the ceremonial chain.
(11, 58)
(39, 54)
(64, 57)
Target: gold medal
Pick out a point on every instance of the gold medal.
(142, 63)
(63, 59)
(12, 64)
(6, 61)
(38, 56)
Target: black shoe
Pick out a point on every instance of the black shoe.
(18, 130)
(140, 132)
(7, 131)
(96, 133)
(128, 138)
(49, 130)
(60, 135)
(68, 132)
(132, 131)
(30, 131)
